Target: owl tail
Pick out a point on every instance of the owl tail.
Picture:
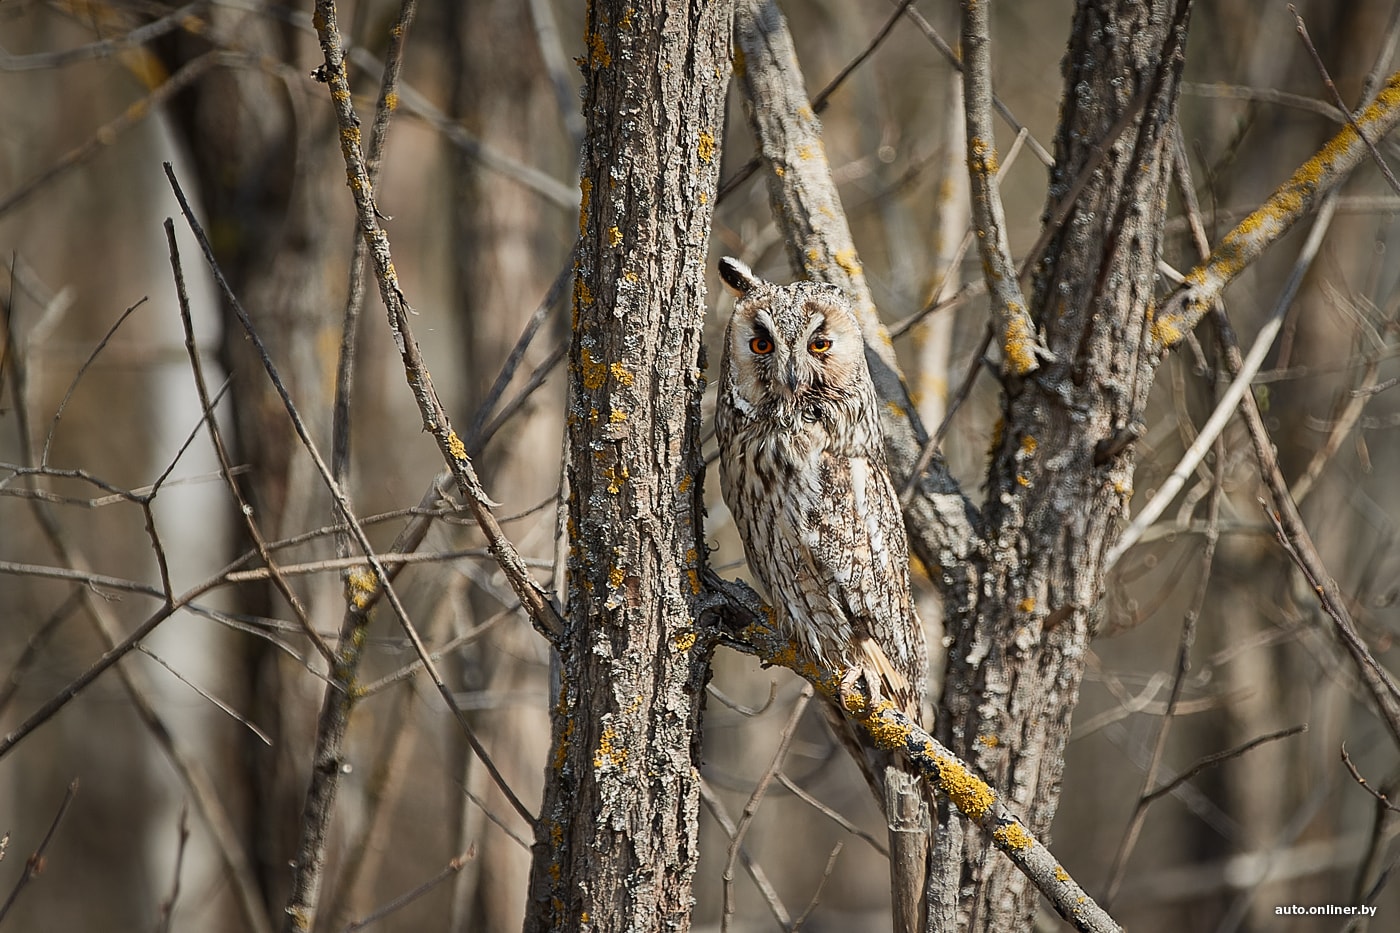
(907, 802)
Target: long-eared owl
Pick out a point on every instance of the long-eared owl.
(803, 472)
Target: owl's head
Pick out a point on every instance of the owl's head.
(790, 345)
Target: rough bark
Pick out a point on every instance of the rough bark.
(616, 841)
(1059, 481)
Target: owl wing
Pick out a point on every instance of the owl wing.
(862, 554)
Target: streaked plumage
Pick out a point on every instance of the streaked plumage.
(802, 464)
(803, 472)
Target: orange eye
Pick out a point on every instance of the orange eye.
(761, 346)
(819, 345)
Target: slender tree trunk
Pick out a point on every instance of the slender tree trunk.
(1061, 475)
(617, 837)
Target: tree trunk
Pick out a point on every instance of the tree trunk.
(617, 838)
(1060, 481)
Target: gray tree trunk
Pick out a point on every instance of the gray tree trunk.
(1059, 484)
(617, 837)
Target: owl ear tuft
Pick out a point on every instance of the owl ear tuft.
(737, 275)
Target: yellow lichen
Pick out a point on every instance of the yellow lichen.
(360, 586)
(561, 752)
(886, 734)
(621, 374)
(1060, 873)
(456, 447)
(1018, 347)
(595, 373)
(684, 641)
(583, 297)
(971, 795)
(982, 158)
(608, 752)
(989, 740)
(617, 415)
(614, 236)
(706, 147)
(1028, 445)
(1013, 836)
(1164, 332)
(616, 476)
(597, 51)
(616, 576)
(849, 261)
(684, 486)
(1027, 604)
(586, 195)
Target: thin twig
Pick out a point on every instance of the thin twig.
(875, 842)
(221, 451)
(1382, 799)
(821, 885)
(35, 863)
(140, 35)
(751, 865)
(78, 377)
(167, 908)
(1337, 98)
(403, 900)
(224, 707)
(756, 798)
(1209, 761)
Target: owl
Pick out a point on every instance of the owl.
(802, 466)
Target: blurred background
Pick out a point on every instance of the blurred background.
(479, 186)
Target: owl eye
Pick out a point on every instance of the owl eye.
(819, 345)
(761, 345)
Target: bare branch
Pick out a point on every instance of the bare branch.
(1019, 344)
(1361, 782)
(1337, 99)
(35, 863)
(1316, 178)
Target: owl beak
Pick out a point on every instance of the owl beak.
(791, 379)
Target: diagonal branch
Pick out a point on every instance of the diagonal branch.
(743, 616)
(535, 600)
(1296, 198)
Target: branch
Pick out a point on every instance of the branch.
(532, 596)
(1019, 345)
(35, 863)
(749, 629)
(1298, 197)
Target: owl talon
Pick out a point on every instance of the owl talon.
(859, 690)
